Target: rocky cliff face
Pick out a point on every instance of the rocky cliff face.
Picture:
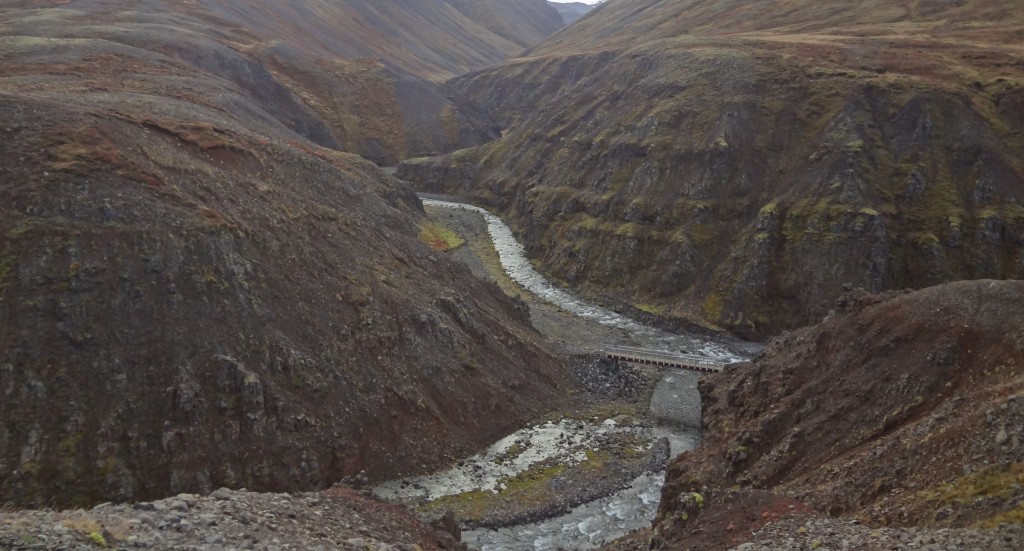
(904, 409)
(194, 293)
(737, 164)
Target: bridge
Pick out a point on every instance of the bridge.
(664, 359)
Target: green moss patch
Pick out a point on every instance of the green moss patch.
(541, 489)
(529, 488)
(7, 262)
(996, 481)
(1013, 516)
(438, 237)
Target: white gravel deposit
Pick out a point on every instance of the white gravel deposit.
(565, 442)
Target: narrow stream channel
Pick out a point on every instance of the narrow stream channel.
(675, 405)
(517, 265)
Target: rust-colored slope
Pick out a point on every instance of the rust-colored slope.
(904, 409)
(436, 39)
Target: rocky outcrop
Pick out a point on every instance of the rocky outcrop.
(902, 409)
(194, 293)
(742, 180)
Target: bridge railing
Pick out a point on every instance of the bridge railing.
(629, 353)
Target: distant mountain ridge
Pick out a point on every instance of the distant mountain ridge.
(371, 71)
(436, 39)
(625, 21)
(572, 11)
(748, 160)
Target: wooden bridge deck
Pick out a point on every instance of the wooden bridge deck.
(664, 359)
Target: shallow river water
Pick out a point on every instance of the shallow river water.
(675, 405)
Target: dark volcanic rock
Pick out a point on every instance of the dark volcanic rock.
(194, 295)
(610, 379)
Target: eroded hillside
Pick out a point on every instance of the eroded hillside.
(739, 164)
(902, 410)
(195, 293)
(368, 71)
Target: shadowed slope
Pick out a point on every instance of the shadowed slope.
(193, 294)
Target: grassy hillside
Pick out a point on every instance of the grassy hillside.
(431, 38)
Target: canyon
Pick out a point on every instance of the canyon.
(224, 324)
(749, 160)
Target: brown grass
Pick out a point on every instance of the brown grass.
(82, 524)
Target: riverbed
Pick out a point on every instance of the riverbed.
(580, 327)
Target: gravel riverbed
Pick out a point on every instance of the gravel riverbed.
(592, 505)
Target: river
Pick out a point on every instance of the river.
(675, 406)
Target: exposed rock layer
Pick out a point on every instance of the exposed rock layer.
(737, 164)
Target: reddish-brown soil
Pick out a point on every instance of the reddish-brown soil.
(734, 519)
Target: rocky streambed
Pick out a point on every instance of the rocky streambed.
(595, 473)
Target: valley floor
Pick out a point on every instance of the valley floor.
(615, 393)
